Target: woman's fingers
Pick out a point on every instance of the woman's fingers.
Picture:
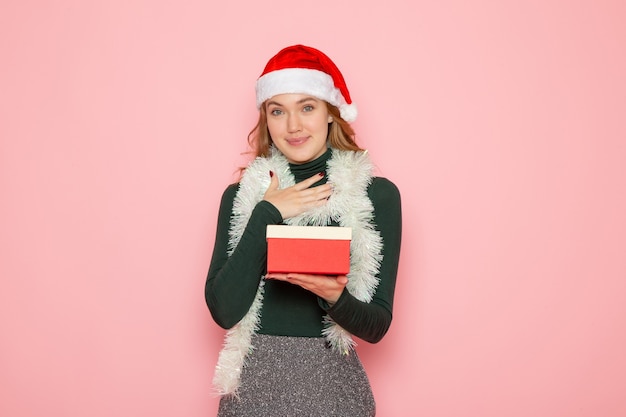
(298, 198)
(303, 185)
(321, 192)
(326, 287)
(273, 182)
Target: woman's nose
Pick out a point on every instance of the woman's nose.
(293, 124)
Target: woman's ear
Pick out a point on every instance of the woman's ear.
(330, 118)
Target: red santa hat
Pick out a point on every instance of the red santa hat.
(301, 69)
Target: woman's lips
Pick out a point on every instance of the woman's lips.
(296, 141)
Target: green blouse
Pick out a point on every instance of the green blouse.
(289, 310)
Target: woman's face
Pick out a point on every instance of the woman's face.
(298, 126)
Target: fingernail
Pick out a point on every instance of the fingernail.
(271, 174)
(321, 174)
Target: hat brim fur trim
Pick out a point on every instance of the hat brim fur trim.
(303, 81)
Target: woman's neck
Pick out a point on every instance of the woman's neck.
(308, 169)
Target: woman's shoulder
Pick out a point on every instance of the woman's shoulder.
(385, 198)
(232, 188)
(230, 192)
(383, 188)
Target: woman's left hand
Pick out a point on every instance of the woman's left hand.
(327, 287)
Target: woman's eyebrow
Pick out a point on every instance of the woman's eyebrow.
(302, 100)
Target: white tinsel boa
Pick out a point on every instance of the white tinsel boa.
(350, 173)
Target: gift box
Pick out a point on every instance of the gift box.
(323, 250)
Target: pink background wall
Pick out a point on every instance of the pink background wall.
(502, 122)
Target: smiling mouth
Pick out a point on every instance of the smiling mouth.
(297, 141)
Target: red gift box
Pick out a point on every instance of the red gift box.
(323, 250)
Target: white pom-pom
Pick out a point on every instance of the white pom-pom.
(348, 112)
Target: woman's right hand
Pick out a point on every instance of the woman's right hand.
(298, 198)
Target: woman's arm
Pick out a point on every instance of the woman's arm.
(370, 321)
(232, 282)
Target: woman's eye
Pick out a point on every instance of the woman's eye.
(276, 112)
(308, 108)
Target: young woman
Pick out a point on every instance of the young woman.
(289, 347)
